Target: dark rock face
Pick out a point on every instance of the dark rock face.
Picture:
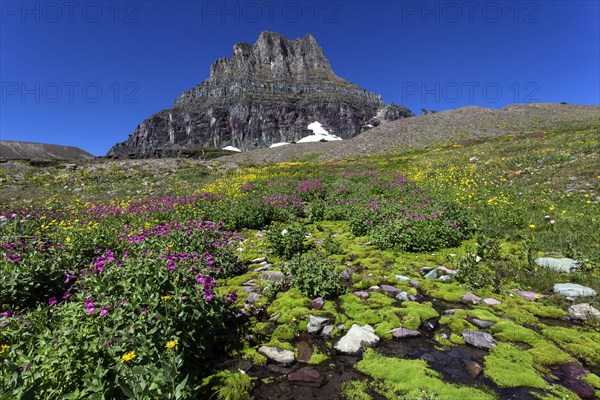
(265, 93)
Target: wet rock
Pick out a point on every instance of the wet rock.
(345, 275)
(263, 268)
(259, 260)
(374, 289)
(357, 338)
(252, 297)
(574, 290)
(583, 311)
(317, 303)
(275, 317)
(446, 278)
(402, 278)
(470, 298)
(492, 302)
(431, 324)
(473, 368)
(451, 311)
(402, 296)
(446, 271)
(528, 295)
(305, 351)
(390, 289)
(481, 324)
(433, 274)
(307, 376)
(278, 370)
(570, 375)
(414, 283)
(482, 340)
(315, 324)
(327, 330)
(277, 354)
(403, 333)
(412, 297)
(557, 264)
(362, 295)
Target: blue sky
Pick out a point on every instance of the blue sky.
(85, 73)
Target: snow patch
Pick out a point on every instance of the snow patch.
(231, 148)
(277, 145)
(319, 134)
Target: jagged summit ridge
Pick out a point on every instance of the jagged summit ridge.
(263, 94)
(274, 56)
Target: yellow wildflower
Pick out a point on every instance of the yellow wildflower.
(3, 348)
(172, 344)
(128, 356)
(165, 298)
(532, 226)
(551, 208)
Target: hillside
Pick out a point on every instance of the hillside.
(463, 124)
(16, 150)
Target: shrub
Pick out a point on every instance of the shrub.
(287, 240)
(315, 276)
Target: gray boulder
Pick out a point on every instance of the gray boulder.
(583, 311)
(315, 324)
(557, 264)
(482, 340)
(357, 338)
(277, 354)
(574, 290)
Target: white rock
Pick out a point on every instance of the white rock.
(574, 290)
(277, 354)
(357, 338)
(557, 264)
(583, 311)
(315, 324)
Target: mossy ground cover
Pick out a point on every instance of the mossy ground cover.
(484, 209)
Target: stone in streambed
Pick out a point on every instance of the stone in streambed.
(277, 354)
(315, 324)
(403, 333)
(583, 311)
(482, 340)
(357, 338)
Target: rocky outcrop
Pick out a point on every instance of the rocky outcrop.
(265, 93)
(16, 150)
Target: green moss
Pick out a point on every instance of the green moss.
(594, 381)
(285, 332)
(317, 357)
(226, 385)
(580, 344)
(355, 390)
(451, 292)
(292, 305)
(410, 377)
(543, 311)
(508, 366)
(377, 311)
(456, 339)
(542, 351)
(415, 313)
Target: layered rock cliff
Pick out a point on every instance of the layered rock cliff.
(265, 93)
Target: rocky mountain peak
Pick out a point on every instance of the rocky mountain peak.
(264, 94)
(274, 56)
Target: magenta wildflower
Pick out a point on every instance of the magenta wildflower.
(232, 297)
(52, 301)
(103, 311)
